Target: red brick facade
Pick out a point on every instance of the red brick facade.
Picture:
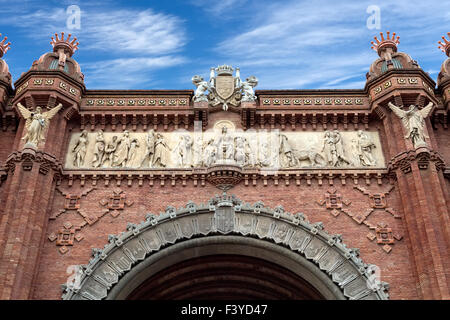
(52, 217)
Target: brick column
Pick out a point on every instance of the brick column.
(420, 181)
(29, 190)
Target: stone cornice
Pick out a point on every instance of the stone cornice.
(402, 72)
(49, 73)
(216, 175)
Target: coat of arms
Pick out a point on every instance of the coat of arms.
(223, 88)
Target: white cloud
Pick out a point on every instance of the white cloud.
(126, 73)
(129, 42)
(219, 8)
(322, 43)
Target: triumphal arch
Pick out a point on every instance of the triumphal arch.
(224, 191)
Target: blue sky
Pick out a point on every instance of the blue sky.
(286, 44)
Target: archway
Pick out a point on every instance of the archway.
(225, 244)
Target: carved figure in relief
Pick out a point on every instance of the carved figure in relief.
(250, 154)
(329, 149)
(161, 151)
(247, 89)
(210, 153)
(334, 149)
(132, 153)
(264, 154)
(225, 145)
(36, 123)
(364, 149)
(79, 149)
(123, 147)
(110, 152)
(197, 151)
(239, 153)
(287, 158)
(150, 148)
(183, 151)
(414, 122)
(314, 158)
(99, 150)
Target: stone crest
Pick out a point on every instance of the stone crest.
(224, 88)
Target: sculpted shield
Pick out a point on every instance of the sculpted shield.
(225, 86)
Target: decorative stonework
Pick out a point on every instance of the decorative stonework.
(224, 89)
(333, 201)
(423, 155)
(250, 177)
(36, 122)
(225, 215)
(258, 149)
(135, 101)
(68, 232)
(28, 157)
(116, 202)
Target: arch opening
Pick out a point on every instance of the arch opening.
(226, 249)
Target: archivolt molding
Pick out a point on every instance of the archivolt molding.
(225, 215)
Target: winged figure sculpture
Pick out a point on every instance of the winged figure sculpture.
(36, 122)
(414, 122)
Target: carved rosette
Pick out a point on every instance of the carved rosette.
(422, 155)
(224, 177)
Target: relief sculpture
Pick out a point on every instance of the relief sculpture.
(225, 146)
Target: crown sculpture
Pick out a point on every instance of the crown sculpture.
(224, 70)
(68, 47)
(381, 46)
(445, 47)
(64, 47)
(4, 47)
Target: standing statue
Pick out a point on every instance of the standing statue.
(80, 149)
(121, 152)
(202, 87)
(161, 147)
(414, 122)
(150, 148)
(132, 153)
(99, 150)
(364, 149)
(247, 89)
(36, 122)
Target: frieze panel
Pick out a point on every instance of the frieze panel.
(224, 145)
